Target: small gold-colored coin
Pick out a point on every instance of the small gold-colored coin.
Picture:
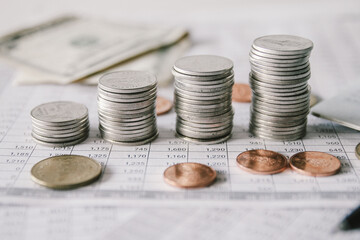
(162, 105)
(65, 171)
(262, 161)
(241, 92)
(357, 151)
(189, 175)
(316, 164)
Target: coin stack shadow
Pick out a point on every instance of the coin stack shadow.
(59, 124)
(279, 73)
(203, 88)
(126, 107)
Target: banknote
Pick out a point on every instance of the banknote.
(342, 108)
(70, 48)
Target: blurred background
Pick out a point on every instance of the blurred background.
(226, 27)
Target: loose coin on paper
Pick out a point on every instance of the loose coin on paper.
(317, 164)
(189, 175)
(262, 161)
(65, 171)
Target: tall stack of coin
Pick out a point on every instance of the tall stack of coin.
(60, 123)
(203, 87)
(126, 101)
(279, 73)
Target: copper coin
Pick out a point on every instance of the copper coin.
(262, 161)
(241, 92)
(189, 175)
(162, 105)
(357, 151)
(316, 164)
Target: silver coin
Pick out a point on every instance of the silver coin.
(280, 73)
(273, 89)
(59, 113)
(280, 78)
(303, 96)
(204, 135)
(298, 61)
(275, 113)
(102, 103)
(118, 99)
(283, 87)
(133, 113)
(201, 94)
(277, 131)
(57, 139)
(290, 137)
(125, 127)
(184, 113)
(298, 127)
(209, 97)
(60, 144)
(127, 96)
(178, 98)
(202, 82)
(268, 55)
(277, 82)
(260, 65)
(204, 141)
(127, 138)
(274, 108)
(283, 44)
(127, 81)
(61, 127)
(214, 119)
(134, 143)
(276, 118)
(202, 130)
(128, 132)
(274, 65)
(226, 121)
(205, 88)
(60, 134)
(203, 65)
(203, 108)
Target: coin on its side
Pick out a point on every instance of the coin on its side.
(241, 92)
(262, 161)
(316, 164)
(189, 175)
(65, 171)
(162, 105)
(357, 151)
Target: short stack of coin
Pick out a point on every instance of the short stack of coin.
(126, 106)
(203, 88)
(279, 74)
(59, 124)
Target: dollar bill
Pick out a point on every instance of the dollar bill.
(69, 49)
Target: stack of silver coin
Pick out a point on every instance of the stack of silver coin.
(279, 74)
(203, 88)
(126, 106)
(58, 124)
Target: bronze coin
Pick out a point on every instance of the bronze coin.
(189, 175)
(262, 161)
(357, 151)
(241, 92)
(162, 105)
(316, 164)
